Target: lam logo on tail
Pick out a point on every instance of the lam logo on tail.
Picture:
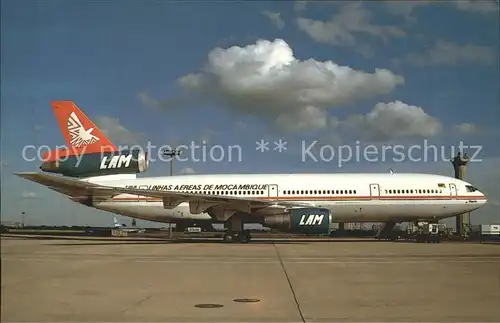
(79, 132)
(80, 136)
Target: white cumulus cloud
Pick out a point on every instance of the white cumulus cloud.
(466, 128)
(265, 79)
(448, 53)
(274, 18)
(116, 132)
(406, 8)
(342, 28)
(482, 6)
(300, 5)
(308, 119)
(395, 120)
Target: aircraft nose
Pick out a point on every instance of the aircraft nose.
(483, 199)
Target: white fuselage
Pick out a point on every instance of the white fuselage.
(354, 197)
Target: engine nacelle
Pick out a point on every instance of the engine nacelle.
(98, 164)
(301, 220)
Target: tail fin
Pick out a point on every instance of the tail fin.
(79, 132)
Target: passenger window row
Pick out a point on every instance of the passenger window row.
(288, 192)
(318, 192)
(419, 191)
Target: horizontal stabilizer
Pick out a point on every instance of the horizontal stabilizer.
(70, 187)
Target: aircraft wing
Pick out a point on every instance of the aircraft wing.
(170, 199)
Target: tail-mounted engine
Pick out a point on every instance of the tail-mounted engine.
(301, 220)
(97, 164)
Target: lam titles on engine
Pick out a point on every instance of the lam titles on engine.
(301, 220)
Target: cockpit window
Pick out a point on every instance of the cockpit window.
(470, 188)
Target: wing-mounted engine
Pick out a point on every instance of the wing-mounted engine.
(301, 220)
(98, 164)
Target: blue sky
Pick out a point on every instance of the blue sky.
(141, 71)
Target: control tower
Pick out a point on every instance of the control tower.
(459, 165)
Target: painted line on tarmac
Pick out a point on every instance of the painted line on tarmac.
(242, 261)
(353, 258)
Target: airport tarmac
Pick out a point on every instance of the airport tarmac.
(145, 280)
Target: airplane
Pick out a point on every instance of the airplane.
(123, 227)
(98, 175)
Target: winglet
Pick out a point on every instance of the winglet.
(79, 132)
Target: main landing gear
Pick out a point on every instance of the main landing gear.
(235, 230)
(241, 236)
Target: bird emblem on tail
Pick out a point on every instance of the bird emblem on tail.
(80, 136)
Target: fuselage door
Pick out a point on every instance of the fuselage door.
(374, 190)
(453, 190)
(273, 191)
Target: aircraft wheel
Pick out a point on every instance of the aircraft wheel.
(244, 237)
(227, 237)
